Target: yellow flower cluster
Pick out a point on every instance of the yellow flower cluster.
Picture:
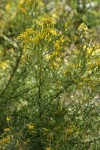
(30, 126)
(31, 36)
(93, 50)
(58, 42)
(52, 31)
(23, 58)
(5, 140)
(82, 27)
(4, 65)
(70, 130)
(47, 57)
(55, 65)
(25, 34)
(8, 118)
(48, 148)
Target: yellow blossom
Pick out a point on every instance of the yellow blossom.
(53, 32)
(70, 130)
(66, 72)
(75, 38)
(82, 27)
(96, 52)
(7, 7)
(84, 47)
(4, 65)
(57, 45)
(8, 118)
(48, 148)
(89, 50)
(58, 60)
(54, 64)
(23, 59)
(62, 39)
(30, 126)
(29, 31)
(47, 57)
(55, 53)
(6, 129)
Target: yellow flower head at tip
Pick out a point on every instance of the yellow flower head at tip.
(8, 118)
(30, 126)
(48, 148)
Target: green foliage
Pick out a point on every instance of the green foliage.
(49, 71)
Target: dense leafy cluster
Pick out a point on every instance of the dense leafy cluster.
(49, 75)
